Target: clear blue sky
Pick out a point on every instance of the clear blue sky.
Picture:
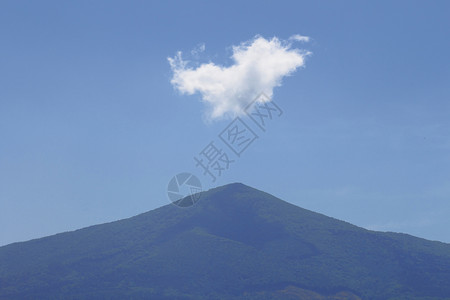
(91, 130)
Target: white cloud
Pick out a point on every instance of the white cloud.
(258, 66)
(299, 38)
(198, 49)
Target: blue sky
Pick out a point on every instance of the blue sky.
(92, 130)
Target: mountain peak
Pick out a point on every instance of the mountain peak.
(235, 187)
(236, 192)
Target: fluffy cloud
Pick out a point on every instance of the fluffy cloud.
(259, 65)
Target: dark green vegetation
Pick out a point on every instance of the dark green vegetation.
(235, 243)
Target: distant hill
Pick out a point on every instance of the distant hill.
(235, 243)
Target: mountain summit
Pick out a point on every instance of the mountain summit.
(235, 243)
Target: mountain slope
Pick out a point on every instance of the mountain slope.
(235, 243)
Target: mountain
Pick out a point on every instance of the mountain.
(235, 243)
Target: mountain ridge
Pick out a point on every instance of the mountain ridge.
(235, 243)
